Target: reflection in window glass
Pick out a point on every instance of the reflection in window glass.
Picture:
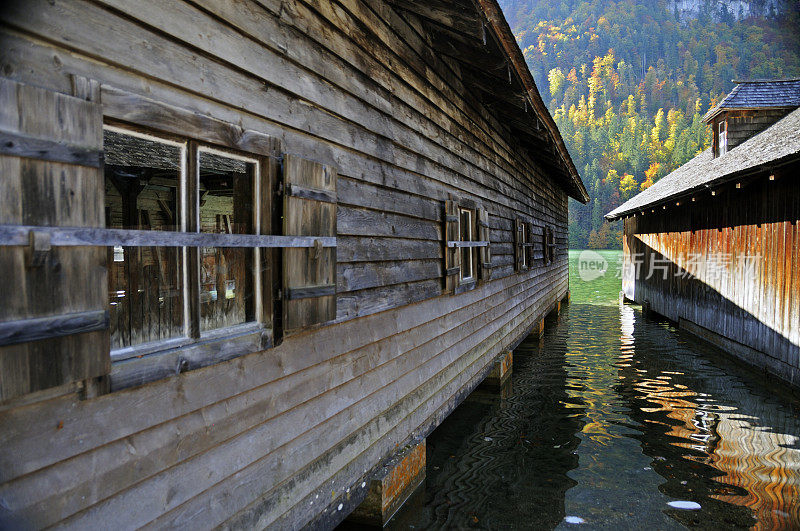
(466, 252)
(142, 186)
(226, 274)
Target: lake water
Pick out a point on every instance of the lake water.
(614, 421)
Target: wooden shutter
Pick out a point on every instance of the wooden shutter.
(485, 252)
(452, 256)
(53, 314)
(518, 247)
(309, 274)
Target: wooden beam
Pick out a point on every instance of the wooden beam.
(133, 108)
(497, 88)
(450, 15)
(461, 244)
(20, 145)
(88, 237)
(465, 50)
(22, 331)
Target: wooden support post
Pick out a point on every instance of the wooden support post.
(501, 372)
(391, 487)
(556, 311)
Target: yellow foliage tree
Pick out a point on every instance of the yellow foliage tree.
(649, 174)
(627, 186)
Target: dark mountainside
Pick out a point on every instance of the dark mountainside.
(629, 81)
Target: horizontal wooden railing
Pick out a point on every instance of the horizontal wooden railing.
(467, 244)
(89, 236)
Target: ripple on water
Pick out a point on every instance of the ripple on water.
(615, 420)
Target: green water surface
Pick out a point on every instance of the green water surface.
(612, 421)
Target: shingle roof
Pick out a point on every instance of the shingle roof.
(759, 94)
(775, 145)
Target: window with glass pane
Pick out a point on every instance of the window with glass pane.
(226, 207)
(466, 252)
(142, 184)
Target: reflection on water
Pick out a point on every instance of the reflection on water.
(610, 419)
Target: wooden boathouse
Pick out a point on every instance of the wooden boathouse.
(255, 250)
(715, 245)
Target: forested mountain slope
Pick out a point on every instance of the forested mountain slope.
(628, 81)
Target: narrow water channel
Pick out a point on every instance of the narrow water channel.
(614, 421)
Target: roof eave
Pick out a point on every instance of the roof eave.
(713, 113)
(505, 37)
(764, 167)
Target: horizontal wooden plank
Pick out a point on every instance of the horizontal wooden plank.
(85, 236)
(143, 111)
(18, 145)
(357, 192)
(362, 275)
(373, 249)
(365, 302)
(13, 332)
(364, 222)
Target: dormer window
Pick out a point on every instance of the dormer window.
(723, 138)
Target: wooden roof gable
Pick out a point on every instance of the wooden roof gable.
(759, 94)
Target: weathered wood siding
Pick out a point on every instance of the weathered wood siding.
(273, 437)
(732, 266)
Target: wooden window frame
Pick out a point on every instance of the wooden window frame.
(181, 227)
(471, 237)
(189, 225)
(722, 138)
(258, 287)
(525, 238)
(523, 246)
(454, 245)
